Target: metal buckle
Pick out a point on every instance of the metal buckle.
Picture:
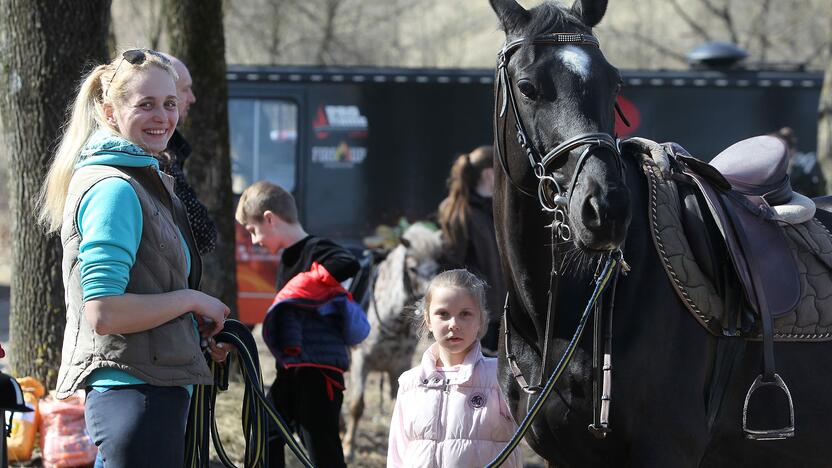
(768, 434)
(600, 432)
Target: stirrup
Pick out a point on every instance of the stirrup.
(768, 434)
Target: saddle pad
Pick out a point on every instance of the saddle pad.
(811, 320)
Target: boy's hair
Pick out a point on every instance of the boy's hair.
(462, 279)
(265, 196)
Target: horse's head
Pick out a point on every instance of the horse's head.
(555, 116)
(421, 262)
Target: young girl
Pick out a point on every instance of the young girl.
(449, 410)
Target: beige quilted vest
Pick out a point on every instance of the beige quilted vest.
(167, 355)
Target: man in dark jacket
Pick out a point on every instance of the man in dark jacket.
(172, 162)
(310, 324)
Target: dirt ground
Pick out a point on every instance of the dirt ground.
(371, 443)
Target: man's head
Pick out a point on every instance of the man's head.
(183, 86)
(270, 215)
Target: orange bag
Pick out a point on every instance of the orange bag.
(64, 440)
(21, 442)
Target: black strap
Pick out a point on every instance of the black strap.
(602, 362)
(549, 330)
(728, 353)
(759, 301)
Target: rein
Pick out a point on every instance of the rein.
(257, 412)
(609, 274)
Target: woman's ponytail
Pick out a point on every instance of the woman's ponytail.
(465, 174)
(85, 117)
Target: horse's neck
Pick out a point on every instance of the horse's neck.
(390, 294)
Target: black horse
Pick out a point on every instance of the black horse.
(664, 360)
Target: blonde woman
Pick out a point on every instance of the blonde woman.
(130, 268)
(467, 220)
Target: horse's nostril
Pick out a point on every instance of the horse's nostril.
(593, 212)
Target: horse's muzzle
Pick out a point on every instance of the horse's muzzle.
(601, 216)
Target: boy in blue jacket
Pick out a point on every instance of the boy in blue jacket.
(310, 324)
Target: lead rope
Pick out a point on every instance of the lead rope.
(257, 410)
(610, 270)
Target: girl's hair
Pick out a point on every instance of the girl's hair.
(462, 279)
(105, 83)
(465, 174)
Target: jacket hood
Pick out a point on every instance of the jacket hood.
(106, 148)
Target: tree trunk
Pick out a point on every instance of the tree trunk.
(197, 38)
(46, 46)
(825, 119)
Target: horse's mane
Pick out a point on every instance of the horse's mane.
(549, 17)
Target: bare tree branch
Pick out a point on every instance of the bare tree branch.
(324, 51)
(724, 14)
(699, 30)
(650, 42)
(759, 30)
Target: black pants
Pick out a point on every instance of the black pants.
(138, 425)
(309, 399)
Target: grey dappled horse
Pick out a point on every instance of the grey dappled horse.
(399, 281)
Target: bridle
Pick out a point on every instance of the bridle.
(558, 203)
(555, 198)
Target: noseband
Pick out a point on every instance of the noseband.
(558, 203)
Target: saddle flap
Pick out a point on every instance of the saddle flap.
(748, 235)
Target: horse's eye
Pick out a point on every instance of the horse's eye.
(527, 88)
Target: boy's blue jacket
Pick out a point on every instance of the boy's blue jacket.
(312, 321)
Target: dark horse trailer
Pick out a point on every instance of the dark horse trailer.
(359, 147)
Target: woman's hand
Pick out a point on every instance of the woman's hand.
(210, 313)
(219, 351)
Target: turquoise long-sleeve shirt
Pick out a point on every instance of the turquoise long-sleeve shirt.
(110, 225)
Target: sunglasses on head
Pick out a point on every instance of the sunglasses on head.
(136, 57)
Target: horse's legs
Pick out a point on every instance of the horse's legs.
(358, 379)
(393, 378)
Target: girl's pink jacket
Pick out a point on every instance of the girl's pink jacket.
(459, 421)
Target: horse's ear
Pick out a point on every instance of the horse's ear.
(590, 11)
(510, 13)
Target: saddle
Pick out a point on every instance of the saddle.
(740, 208)
(750, 183)
(700, 216)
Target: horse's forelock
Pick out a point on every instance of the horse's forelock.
(550, 17)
